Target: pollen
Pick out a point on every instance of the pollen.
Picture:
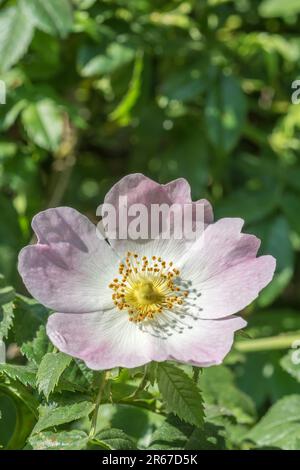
(147, 287)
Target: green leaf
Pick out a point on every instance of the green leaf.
(188, 153)
(275, 235)
(16, 31)
(43, 122)
(7, 419)
(185, 85)
(252, 206)
(264, 368)
(53, 16)
(11, 239)
(2, 352)
(272, 322)
(114, 439)
(173, 434)
(88, 375)
(36, 349)
(275, 288)
(292, 177)
(290, 206)
(225, 113)
(62, 414)
(29, 317)
(7, 293)
(78, 376)
(10, 117)
(122, 113)
(274, 8)
(218, 388)
(180, 394)
(18, 409)
(6, 319)
(99, 62)
(291, 362)
(280, 427)
(25, 374)
(50, 370)
(135, 420)
(65, 440)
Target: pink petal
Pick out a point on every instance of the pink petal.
(224, 270)
(103, 340)
(70, 268)
(205, 344)
(235, 288)
(107, 340)
(142, 190)
(208, 210)
(221, 246)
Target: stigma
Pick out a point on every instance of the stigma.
(146, 287)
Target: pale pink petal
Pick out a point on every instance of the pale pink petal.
(232, 290)
(208, 210)
(103, 340)
(221, 246)
(70, 267)
(139, 189)
(107, 340)
(206, 343)
(224, 274)
(178, 191)
(168, 250)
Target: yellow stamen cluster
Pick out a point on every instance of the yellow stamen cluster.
(146, 287)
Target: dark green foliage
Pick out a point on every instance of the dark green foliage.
(195, 89)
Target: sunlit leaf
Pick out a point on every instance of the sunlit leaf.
(180, 394)
(16, 31)
(218, 388)
(64, 440)
(225, 113)
(176, 435)
(280, 427)
(43, 122)
(62, 414)
(52, 16)
(36, 349)
(291, 361)
(273, 8)
(25, 374)
(50, 369)
(95, 62)
(114, 439)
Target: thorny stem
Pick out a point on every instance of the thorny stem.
(103, 381)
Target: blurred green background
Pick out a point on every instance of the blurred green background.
(199, 89)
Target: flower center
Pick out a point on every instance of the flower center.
(146, 293)
(147, 287)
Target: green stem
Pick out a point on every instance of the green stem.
(196, 373)
(268, 344)
(98, 403)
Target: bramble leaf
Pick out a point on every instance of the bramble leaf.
(64, 440)
(50, 370)
(62, 414)
(180, 394)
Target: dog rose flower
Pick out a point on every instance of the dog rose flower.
(125, 303)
